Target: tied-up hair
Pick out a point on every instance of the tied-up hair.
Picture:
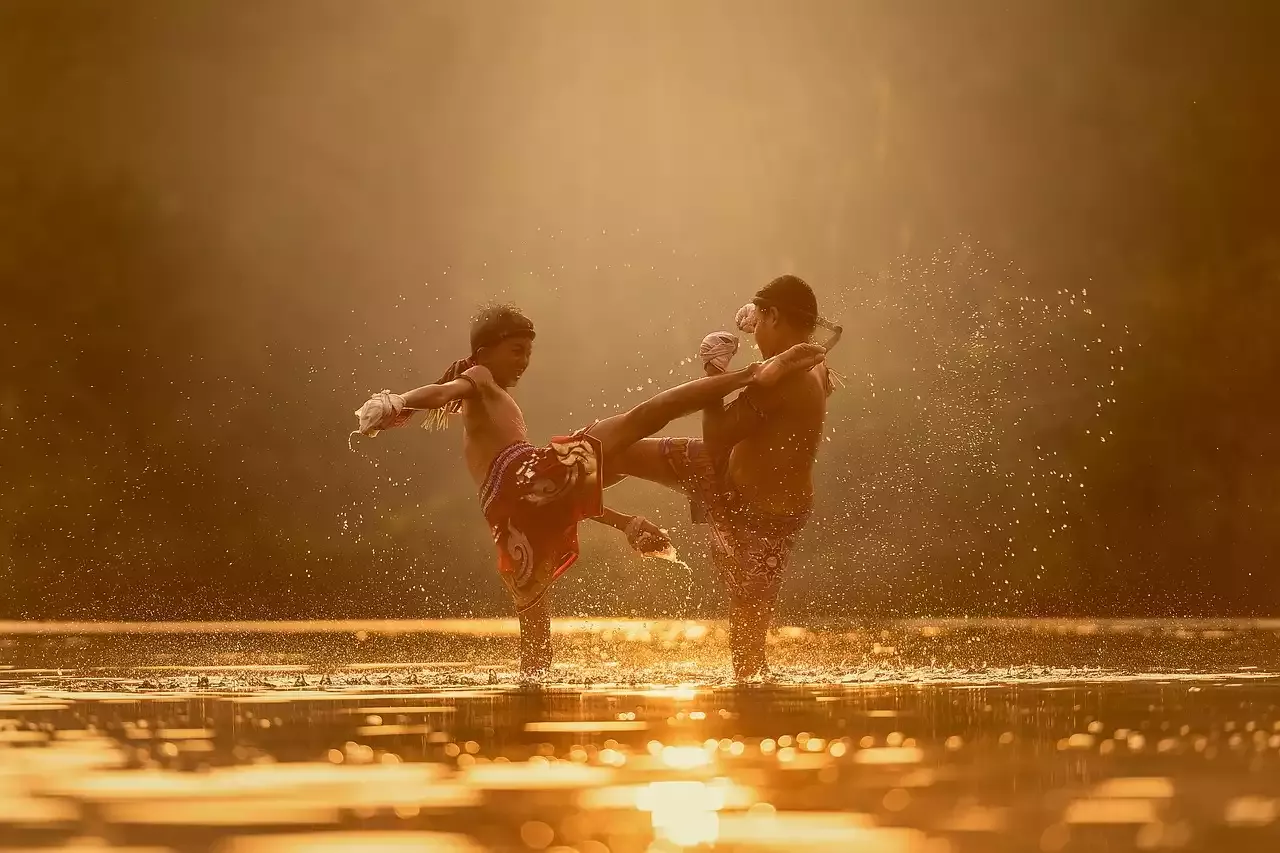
(490, 327)
(438, 419)
(792, 297)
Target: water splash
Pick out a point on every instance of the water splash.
(967, 422)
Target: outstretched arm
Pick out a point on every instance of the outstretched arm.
(385, 410)
(466, 386)
(613, 518)
(438, 396)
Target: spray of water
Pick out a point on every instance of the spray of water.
(955, 462)
(960, 448)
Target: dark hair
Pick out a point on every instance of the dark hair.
(793, 298)
(494, 324)
(491, 325)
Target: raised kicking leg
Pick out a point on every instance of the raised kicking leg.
(643, 460)
(620, 432)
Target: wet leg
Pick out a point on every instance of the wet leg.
(535, 640)
(749, 620)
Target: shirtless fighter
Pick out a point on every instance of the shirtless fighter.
(750, 476)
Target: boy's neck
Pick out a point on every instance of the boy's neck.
(784, 345)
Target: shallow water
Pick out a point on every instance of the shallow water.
(926, 735)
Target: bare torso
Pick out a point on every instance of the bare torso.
(772, 468)
(492, 421)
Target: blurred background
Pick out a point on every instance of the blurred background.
(1051, 230)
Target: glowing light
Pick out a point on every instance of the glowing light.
(536, 776)
(536, 834)
(339, 842)
(889, 755)
(1134, 787)
(1108, 811)
(683, 813)
(685, 757)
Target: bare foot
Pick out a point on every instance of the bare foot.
(799, 358)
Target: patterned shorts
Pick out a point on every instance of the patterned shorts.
(751, 549)
(533, 499)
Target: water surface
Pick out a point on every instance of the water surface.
(924, 735)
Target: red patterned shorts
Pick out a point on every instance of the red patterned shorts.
(751, 549)
(533, 499)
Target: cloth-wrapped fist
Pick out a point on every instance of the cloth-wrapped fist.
(717, 350)
(382, 411)
(748, 316)
(647, 538)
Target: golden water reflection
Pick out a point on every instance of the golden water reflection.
(446, 755)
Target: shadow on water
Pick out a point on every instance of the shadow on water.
(925, 735)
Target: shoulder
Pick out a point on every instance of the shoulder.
(803, 393)
(480, 377)
(809, 395)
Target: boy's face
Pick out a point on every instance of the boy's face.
(768, 330)
(508, 360)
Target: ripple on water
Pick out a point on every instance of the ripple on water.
(1129, 735)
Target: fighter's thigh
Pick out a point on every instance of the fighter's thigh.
(616, 434)
(645, 460)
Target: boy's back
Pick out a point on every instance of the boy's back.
(772, 467)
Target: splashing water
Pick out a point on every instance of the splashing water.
(969, 404)
(956, 461)
(667, 551)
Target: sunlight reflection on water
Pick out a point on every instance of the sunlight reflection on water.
(976, 736)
